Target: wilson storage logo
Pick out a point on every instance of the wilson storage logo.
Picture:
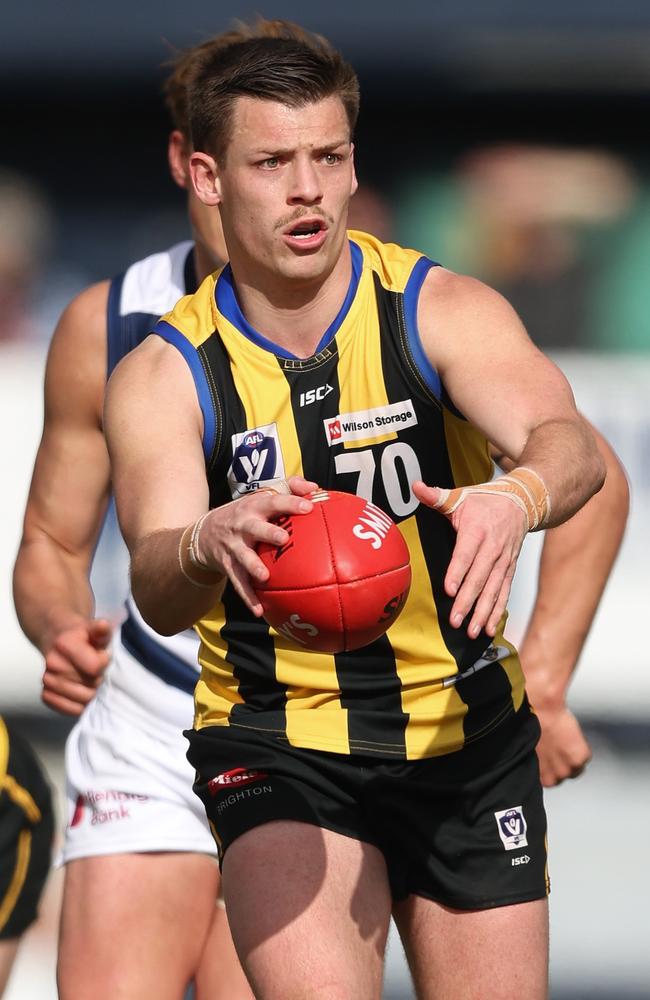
(365, 424)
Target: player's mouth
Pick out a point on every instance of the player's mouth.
(306, 233)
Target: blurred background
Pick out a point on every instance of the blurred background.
(505, 140)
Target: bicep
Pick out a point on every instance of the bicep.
(154, 430)
(491, 369)
(71, 479)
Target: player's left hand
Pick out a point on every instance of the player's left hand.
(563, 750)
(490, 531)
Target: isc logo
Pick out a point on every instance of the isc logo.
(523, 859)
(313, 394)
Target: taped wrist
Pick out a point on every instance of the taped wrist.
(523, 486)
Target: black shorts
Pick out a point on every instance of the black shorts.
(26, 831)
(467, 829)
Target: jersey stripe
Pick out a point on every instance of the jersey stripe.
(174, 337)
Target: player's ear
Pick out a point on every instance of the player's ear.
(355, 183)
(205, 178)
(178, 150)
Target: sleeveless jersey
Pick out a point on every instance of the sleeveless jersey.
(367, 413)
(137, 298)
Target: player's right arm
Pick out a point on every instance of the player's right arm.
(576, 561)
(154, 429)
(66, 504)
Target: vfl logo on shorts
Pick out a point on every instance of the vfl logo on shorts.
(237, 778)
(367, 424)
(257, 457)
(512, 827)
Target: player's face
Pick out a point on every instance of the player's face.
(284, 188)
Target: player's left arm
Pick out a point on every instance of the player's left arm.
(576, 562)
(521, 401)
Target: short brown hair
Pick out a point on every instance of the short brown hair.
(270, 60)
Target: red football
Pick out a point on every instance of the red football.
(342, 578)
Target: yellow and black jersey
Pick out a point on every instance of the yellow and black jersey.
(26, 831)
(367, 413)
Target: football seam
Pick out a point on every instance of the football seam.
(337, 582)
(344, 627)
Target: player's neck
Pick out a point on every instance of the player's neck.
(295, 315)
(205, 262)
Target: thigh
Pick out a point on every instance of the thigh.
(219, 975)
(309, 911)
(8, 951)
(500, 953)
(134, 925)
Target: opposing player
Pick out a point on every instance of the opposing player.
(402, 776)
(136, 837)
(26, 831)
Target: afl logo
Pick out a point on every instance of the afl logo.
(253, 439)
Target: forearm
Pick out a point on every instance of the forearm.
(167, 600)
(51, 590)
(577, 559)
(564, 454)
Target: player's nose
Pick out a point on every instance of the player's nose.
(305, 185)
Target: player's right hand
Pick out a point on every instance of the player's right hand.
(230, 534)
(75, 665)
(563, 751)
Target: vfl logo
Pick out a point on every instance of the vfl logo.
(237, 778)
(311, 395)
(512, 827)
(256, 457)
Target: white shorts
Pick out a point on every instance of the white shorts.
(128, 782)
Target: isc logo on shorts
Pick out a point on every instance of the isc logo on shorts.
(512, 826)
(237, 778)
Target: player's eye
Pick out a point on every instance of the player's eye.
(270, 163)
(332, 158)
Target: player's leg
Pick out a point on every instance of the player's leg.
(8, 951)
(500, 953)
(141, 879)
(309, 911)
(466, 851)
(305, 886)
(134, 925)
(219, 975)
